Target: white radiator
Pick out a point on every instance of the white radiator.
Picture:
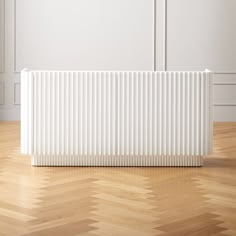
(75, 118)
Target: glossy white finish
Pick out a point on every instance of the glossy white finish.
(154, 115)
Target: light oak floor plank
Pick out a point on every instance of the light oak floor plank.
(72, 201)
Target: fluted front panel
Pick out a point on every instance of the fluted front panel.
(116, 114)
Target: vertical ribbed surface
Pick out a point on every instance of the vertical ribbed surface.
(116, 115)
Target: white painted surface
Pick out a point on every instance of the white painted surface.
(85, 34)
(2, 93)
(225, 94)
(227, 78)
(200, 34)
(2, 39)
(17, 95)
(224, 97)
(224, 113)
(157, 115)
(160, 37)
(8, 110)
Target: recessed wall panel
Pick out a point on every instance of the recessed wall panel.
(224, 113)
(225, 94)
(227, 78)
(84, 34)
(1, 93)
(2, 35)
(17, 94)
(201, 35)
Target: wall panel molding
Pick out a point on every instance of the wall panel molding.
(11, 77)
(2, 93)
(224, 92)
(226, 83)
(160, 28)
(224, 113)
(224, 79)
(225, 104)
(16, 94)
(160, 36)
(160, 43)
(14, 40)
(2, 36)
(10, 114)
(224, 73)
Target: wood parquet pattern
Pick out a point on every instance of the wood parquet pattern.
(72, 201)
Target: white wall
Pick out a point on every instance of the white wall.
(199, 34)
(9, 81)
(1, 50)
(84, 34)
(202, 34)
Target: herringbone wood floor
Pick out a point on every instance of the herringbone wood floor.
(118, 201)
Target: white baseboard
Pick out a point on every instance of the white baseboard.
(9, 114)
(224, 113)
